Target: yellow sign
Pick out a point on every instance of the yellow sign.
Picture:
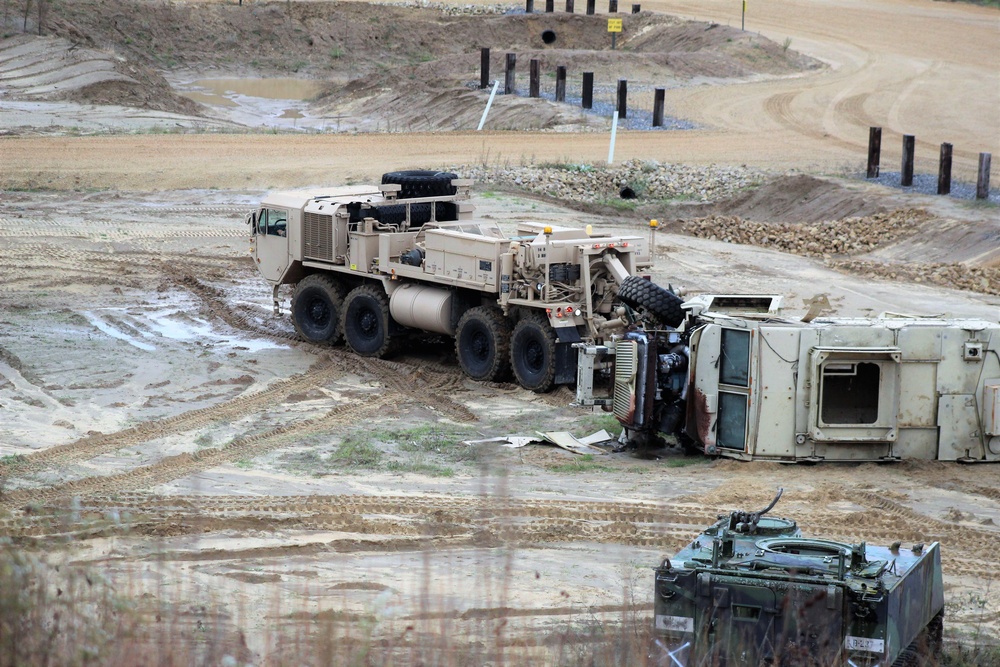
(614, 25)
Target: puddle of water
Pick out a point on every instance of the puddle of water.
(268, 89)
(176, 324)
(211, 99)
(269, 102)
(115, 333)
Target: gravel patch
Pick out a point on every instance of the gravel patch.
(833, 237)
(834, 241)
(650, 180)
(927, 184)
(956, 276)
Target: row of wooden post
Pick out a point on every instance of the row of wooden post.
(944, 168)
(550, 6)
(587, 96)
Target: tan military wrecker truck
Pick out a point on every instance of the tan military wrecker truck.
(372, 264)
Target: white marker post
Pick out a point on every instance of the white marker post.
(482, 121)
(614, 131)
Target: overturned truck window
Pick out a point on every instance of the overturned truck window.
(850, 392)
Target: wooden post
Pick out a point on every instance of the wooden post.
(561, 83)
(550, 6)
(529, 6)
(484, 67)
(533, 81)
(612, 6)
(636, 9)
(658, 96)
(508, 81)
(588, 90)
(622, 95)
(906, 171)
(944, 170)
(569, 6)
(983, 182)
(591, 7)
(41, 15)
(874, 150)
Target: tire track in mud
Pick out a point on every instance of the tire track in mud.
(404, 378)
(466, 521)
(91, 446)
(182, 465)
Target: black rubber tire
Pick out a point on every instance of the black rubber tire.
(421, 183)
(317, 303)
(482, 343)
(365, 321)
(661, 303)
(533, 354)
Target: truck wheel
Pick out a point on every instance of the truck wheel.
(533, 354)
(421, 183)
(365, 321)
(316, 305)
(483, 344)
(663, 304)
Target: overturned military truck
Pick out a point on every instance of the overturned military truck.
(729, 375)
(752, 590)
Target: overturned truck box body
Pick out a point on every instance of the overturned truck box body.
(737, 379)
(752, 590)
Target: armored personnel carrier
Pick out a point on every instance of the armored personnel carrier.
(752, 590)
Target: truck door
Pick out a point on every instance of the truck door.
(270, 248)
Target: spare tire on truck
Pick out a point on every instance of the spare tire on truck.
(658, 301)
(421, 183)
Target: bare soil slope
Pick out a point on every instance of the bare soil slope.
(417, 69)
(53, 68)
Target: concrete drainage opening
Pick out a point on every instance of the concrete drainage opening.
(549, 36)
(626, 193)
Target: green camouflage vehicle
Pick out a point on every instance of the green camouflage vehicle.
(751, 591)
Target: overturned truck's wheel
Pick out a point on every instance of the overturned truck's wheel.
(421, 183)
(482, 343)
(365, 321)
(660, 302)
(316, 306)
(533, 354)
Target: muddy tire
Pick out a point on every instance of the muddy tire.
(661, 303)
(316, 309)
(482, 344)
(365, 321)
(533, 354)
(419, 183)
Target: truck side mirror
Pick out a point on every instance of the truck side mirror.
(252, 220)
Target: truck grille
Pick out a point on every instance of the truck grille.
(317, 236)
(626, 360)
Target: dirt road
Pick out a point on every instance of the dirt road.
(928, 69)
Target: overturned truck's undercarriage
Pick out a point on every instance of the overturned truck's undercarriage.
(734, 378)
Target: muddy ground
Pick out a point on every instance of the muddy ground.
(159, 415)
(163, 428)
